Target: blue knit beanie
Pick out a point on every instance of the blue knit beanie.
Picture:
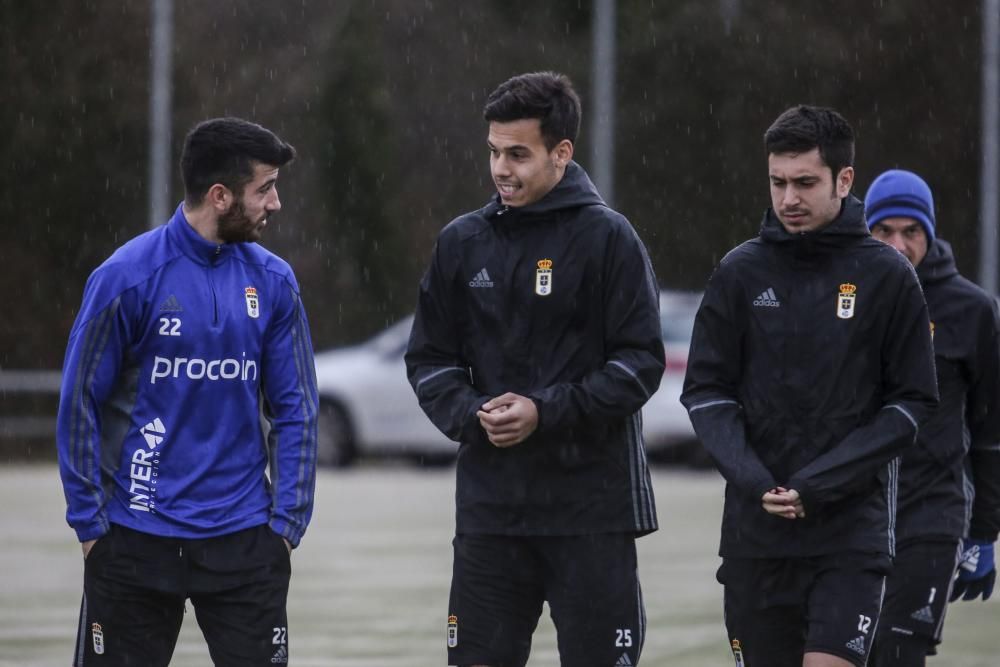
(900, 194)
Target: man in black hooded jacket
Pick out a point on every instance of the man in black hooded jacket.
(535, 344)
(810, 369)
(949, 483)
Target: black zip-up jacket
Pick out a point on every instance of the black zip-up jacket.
(810, 368)
(588, 352)
(955, 468)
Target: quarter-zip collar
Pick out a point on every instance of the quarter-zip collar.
(180, 231)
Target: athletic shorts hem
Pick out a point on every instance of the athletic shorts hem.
(850, 656)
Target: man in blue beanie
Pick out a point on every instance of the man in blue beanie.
(955, 467)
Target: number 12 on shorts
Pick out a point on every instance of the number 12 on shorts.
(623, 637)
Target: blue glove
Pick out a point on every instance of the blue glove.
(976, 571)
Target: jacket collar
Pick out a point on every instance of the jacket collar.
(938, 264)
(846, 228)
(180, 231)
(574, 190)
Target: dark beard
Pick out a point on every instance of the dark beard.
(235, 227)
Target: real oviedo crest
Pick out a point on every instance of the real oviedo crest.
(252, 306)
(845, 301)
(543, 277)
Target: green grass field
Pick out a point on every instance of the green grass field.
(370, 581)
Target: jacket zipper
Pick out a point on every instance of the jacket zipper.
(211, 283)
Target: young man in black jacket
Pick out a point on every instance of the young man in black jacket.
(810, 369)
(949, 483)
(536, 343)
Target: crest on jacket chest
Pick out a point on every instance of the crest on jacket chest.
(252, 304)
(845, 301)
(543, 277)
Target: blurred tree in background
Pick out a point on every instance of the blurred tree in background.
(383, 100)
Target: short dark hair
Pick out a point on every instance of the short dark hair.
(803, 128)
(224, 150)
(547, 96)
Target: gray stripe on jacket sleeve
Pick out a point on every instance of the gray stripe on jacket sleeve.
(633, 374)
(709, 404)
(436, 373)
(906, 413)
(83, 426)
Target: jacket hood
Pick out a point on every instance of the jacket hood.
(573, 191)
(938, 264)
(846, 227)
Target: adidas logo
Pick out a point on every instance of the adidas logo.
(970, 559)
(857, 645)
(171, 305)
(767, 299)
(153, 432)
(924, 615)
(280, 656)
(481, 279)
(624, 661)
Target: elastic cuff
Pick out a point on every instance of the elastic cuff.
(981, 535)
(538, 409)
(91, 533)
(284, 529)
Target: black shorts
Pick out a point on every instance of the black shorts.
(777, 610)
(590, 582)
(136, 584)
(916, 599)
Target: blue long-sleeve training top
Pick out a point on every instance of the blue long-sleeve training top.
(180, 351)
